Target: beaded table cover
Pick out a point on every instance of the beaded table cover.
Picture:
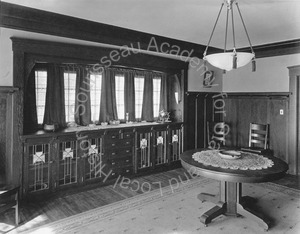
(247, 161)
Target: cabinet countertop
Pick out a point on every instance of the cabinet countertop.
(81, 129)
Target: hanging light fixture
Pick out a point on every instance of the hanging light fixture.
(230, 60)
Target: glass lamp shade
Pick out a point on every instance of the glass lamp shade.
(224, 61)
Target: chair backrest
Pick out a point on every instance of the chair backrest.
(216, 132)
(259, 135)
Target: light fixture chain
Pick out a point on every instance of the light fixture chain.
(233, 33)
(237, 6)
(226, 30)
(213, 30)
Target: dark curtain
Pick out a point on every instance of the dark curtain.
(129, 95)
(147, 109)
(83, 100)
(30, 111)
(55, 96)
(163, 104)
(108, 105)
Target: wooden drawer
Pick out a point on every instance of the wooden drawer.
(121, 162)
(119, 152)
(122, 171)
(119, 135)
(119, 143)
(127, 135)
(112, 136)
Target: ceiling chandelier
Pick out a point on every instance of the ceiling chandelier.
(230, 60)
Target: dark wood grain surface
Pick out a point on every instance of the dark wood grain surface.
(277, 171)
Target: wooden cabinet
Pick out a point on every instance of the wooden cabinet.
(93, 162)
(175, 141)
(38, 161)
(143, 148)
(55, 161)
(158, 146)
(118, 147)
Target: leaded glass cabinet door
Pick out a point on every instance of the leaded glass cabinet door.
(143, 147)
(95, 165)
(160, 145)
(37, 165)
(175, 142)
(67, 158)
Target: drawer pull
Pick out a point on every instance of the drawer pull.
(113, 163)
(127, 142)
(113, 153)
(113, 144)
(113, 137)
(127, 160)
(127, 170)
(127, 151)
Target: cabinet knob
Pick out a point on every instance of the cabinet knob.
(113, 163)
(113, 153)
(113, 144)
(127, 160)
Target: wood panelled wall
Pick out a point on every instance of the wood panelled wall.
(7, 123)
(294, 120)
(243, 109)
(240, 109)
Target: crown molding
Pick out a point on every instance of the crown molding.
(33, 20)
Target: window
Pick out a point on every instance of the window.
(156, 96)
(119, 79)
(95, 92)
(139, 92)
(70, 88)
(40, 90)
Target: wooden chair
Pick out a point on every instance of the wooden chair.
(259, 136)
(9, 198)
(216, 134)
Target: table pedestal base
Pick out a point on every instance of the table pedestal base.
(230, 202)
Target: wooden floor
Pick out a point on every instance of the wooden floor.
(62, 205)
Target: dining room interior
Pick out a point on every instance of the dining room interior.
(117, 115)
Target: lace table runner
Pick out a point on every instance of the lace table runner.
(247, 161)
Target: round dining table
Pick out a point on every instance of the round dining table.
(230, 200)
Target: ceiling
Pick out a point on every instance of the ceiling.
(267, 21)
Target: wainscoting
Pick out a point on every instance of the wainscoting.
(238, 111)
(242, 109)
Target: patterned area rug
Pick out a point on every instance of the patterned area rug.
(176, 209)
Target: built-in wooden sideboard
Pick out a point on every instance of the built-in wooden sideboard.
(84, 155)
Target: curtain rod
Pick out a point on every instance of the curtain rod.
(110, 67)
